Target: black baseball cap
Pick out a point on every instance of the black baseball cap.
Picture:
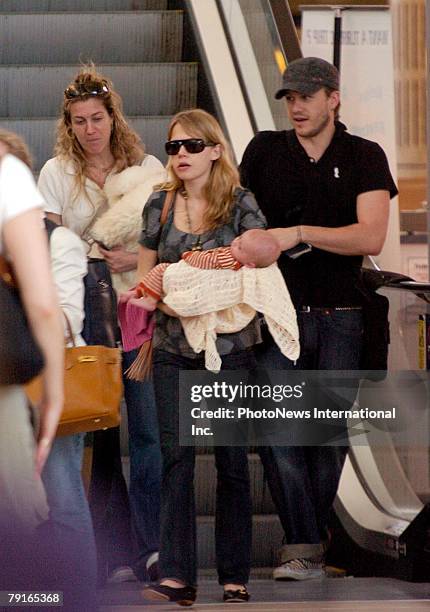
(307, 75)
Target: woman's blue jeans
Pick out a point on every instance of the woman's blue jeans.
(233, 521)
(70, 522)
(115, 511)
(145, 466)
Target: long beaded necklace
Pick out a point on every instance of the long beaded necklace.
(197, 246)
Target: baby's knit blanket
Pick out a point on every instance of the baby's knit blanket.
(212, 302)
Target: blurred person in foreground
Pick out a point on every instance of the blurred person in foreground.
(23, 506)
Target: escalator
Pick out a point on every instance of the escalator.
(226, 56)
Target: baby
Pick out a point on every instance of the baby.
(207, 306)
(255, 248)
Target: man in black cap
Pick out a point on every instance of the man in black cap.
(319, 185)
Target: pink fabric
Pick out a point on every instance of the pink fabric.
(137, 325)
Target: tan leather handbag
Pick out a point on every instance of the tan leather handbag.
(92, 388)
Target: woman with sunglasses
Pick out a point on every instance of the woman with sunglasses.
(209, 210)
(95, 145)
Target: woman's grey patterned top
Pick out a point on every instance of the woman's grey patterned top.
(171, 243)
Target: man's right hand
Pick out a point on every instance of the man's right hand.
(288, 237)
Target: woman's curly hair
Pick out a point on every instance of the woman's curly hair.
(126, 146)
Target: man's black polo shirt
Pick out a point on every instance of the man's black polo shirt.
(291, 189)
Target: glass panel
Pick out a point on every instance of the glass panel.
(268, 51)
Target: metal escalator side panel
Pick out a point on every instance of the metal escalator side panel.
(365, 523)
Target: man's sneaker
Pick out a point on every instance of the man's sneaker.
(152, 567)
(124, 573)
(299, 569)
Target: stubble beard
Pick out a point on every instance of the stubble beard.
(318, 129)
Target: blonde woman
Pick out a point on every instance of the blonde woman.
(95, 148)
(209, 210)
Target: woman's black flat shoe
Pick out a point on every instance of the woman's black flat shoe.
(237, 596)
(183, 596)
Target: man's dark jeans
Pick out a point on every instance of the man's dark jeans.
(233, 526)
(303, 480)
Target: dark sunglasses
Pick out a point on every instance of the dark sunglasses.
(86, 89)
(192, 145)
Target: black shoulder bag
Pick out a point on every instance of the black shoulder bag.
(100, 304)
(101, 321)
(376, 335)
(20, 356)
